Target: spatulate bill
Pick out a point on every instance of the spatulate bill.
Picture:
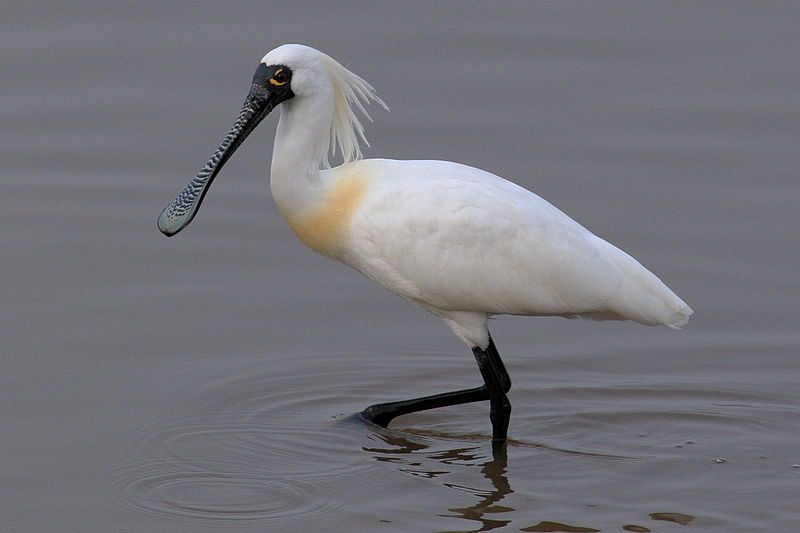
(180, 212)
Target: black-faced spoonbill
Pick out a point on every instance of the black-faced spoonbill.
(459, 242)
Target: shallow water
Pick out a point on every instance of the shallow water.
(207, 382)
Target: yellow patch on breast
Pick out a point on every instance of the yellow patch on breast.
(324, 228)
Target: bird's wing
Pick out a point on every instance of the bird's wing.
(457, 238)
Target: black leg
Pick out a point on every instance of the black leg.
(492, 370)
(496, 384)
(383, 413)
(497, 364)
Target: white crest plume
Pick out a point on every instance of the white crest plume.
(351, 93)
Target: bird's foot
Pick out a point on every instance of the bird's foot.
(499, 445)
(377, 414)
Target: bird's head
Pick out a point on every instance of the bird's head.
(291, 71)
(299, 68)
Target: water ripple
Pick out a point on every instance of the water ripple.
(239, 453)
(217, 491)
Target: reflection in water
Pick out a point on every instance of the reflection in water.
(413, 456)
(415, 452)
(493, 470)
(678, 518)
(547, 526)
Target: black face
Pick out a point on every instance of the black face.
(271, 86)
(276, 79)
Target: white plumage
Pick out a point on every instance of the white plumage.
(458, 241)
(454, 238)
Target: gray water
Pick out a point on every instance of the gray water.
(207, 382)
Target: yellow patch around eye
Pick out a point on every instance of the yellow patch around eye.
(273, 81)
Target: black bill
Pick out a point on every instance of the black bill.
(183, 208)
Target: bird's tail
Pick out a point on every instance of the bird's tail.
(646, 299)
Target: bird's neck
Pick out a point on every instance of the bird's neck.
(301, 143)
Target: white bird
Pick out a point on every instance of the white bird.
(459, 242)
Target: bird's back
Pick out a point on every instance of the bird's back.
(456, 238)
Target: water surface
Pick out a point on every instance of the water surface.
(207, 382)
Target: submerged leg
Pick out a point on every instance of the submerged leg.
(496, 384)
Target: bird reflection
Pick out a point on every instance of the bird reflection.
(414, 457)
(495, 472)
